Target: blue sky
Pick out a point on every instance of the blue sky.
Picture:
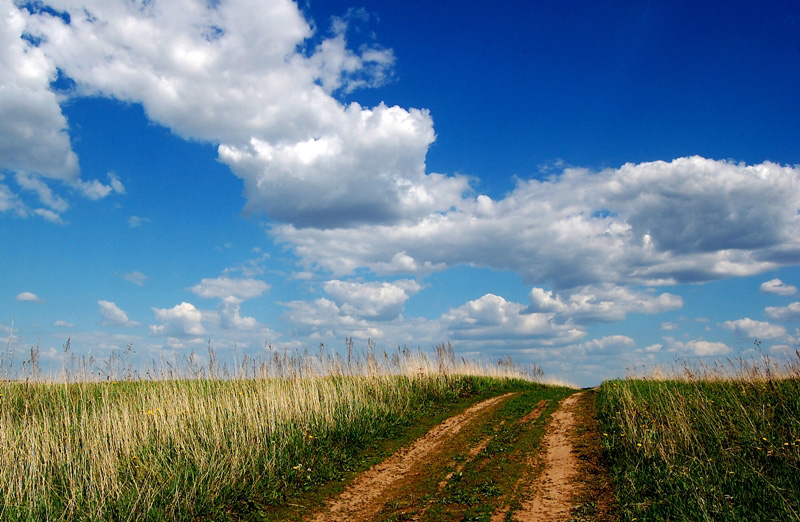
(585, 187)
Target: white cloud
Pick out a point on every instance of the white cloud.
(135, 277)
(492, 317)
(180, 321)
(669, 326)
(33, 137)
(48, 215)
(701, 348)
(322, 319)
(591, 228)
(230, 315)
(63, 324)
(114, 315)
(222, 287)
(604, 303)
(95, 190)
(46, 196)
(28, 296)
(776, 286)
(603, 344)
(755, 329)
(136, 221)
(377, 300)
(248, 76)
(790, 312)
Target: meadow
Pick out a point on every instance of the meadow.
(706, 443)
(197, 441)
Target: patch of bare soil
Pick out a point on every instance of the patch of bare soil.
(553, 490)
(366, 496)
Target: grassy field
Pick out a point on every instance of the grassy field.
(214, 444)
(718, 443)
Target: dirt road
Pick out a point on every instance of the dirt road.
(512, 457)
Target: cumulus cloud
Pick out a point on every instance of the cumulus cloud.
(223, 287)
(604, 303)
(28, 296)
(33, 137)
(180, 321)
(230, 315)
(95, 190)
(377, 300)
(776, 286)
(709, 220)
(493, 317)
(186, 321)
(114, 315)
(256, 79)
(755, 329)
(790, 312)
(322, 319)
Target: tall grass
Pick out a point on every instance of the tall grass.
(708, 443)
(207, 441)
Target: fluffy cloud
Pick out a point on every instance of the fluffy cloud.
(223, 287)
(708, 220)
(776, 286)
(377, 301)
(180, 321)
(114, 315)
(755, 329)
(322, 319)
(255, 78)
(604, 303)
(33, 137)
(790, 312)
(186, 321)
(492, 317)
(230, 315)
(28, 296)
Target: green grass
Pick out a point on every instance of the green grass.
(203, 448)
(705, 447)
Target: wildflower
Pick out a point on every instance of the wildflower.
(639, 445)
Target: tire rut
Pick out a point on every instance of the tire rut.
(366, 496)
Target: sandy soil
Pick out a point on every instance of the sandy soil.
(552, 491)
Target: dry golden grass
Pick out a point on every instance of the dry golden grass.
(188, 441)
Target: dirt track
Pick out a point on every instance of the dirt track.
(529, 481)
(367, 495)
(554, 488)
